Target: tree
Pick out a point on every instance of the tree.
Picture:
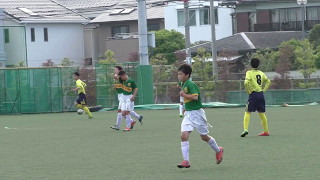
(282, 68)
(167, 43)
(202, 69)
(66, 62)
(268, 59)
(306, 58)
(109, 59)
(160, 72)
(314, 36)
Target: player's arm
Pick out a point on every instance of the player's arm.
(189, 96)
(193, 93)
(134, 94)
(267, 84)
(247, 83)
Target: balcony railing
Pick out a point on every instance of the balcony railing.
(286, 26)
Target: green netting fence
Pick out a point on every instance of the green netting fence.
(37, 90)
(277, 97)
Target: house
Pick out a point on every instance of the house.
(200, 25)
(38, 30)
(118, 29)
(273, 15)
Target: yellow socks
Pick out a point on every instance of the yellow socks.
(246, 121)
(79, 106)
(86, 109)
(264, 121)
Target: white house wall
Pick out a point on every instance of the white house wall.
(200, 32)
(64, 41)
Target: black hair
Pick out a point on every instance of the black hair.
(121, 73)
(76, 73)
(255, 62)
(186, 69)
(119, 68)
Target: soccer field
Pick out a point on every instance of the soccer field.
(69, 146)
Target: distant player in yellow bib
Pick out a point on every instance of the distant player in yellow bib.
(81, 101)
(253, 83)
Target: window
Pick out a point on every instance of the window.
(45, 33)
(33, 35)
(153, 27)
(6, 36)
(119, 29)
(205, 16)
(192, 18)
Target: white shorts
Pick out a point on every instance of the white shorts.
(195, 119)
(126, 103)
(119, 99)
(181, 99)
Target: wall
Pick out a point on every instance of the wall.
(128, 46)
(200, 32)
(65, 41)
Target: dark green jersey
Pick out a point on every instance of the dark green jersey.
(190, 87)
(128, 87)
(118, 85)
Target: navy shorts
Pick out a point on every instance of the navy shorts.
(82, 99)
(256, 102)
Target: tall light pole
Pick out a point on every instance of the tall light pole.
(187, 31)
(302, 3)
(213, 40)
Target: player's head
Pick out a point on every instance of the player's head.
(184, 72)
(117, 69)
(122, 75)
(76, 75)
(255, 62)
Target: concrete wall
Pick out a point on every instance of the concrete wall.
(200, 32)
(2, 43)
(65, 41)
(123, 48)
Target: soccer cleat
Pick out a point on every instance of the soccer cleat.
(244, 133)
(264, 134)
(180, 115)
(219, 155)
(140, 119)
(132, 124)
(126, 129)
(90, 117)
(115, 127)
(184, 164)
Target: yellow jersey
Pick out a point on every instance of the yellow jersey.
(81, 86)
(254, 81)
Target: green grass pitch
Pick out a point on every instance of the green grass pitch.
(69, 146)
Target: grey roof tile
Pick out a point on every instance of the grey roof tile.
(46, 10)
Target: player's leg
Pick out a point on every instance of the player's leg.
(84, 106)
(134, 114)
(119, 116)
(199, 121)
(186, 129)
(125, 108)
(261, 107)
(250, 107)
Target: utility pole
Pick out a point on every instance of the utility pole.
(2, 40)
(213, 40)
(143, 33)
(187, 31)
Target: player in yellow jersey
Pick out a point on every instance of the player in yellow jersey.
(253, 83)
(81, 101)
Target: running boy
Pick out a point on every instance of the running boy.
(129, 90)
(81, 102)
(118, 86)
(195, 117)
(256, 102)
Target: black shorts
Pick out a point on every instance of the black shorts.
(82, 99)
(256, 102)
